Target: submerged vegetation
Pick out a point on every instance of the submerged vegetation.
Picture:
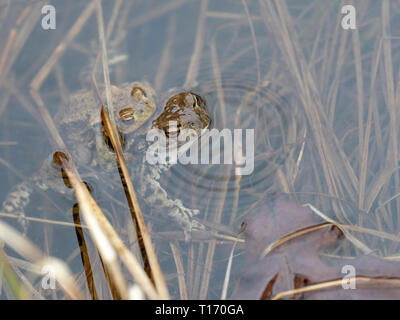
(322, 100)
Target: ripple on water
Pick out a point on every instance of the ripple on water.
(241, 104)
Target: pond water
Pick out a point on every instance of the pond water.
(320, 100)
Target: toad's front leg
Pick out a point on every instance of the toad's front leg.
(157, 198)
(17, 201)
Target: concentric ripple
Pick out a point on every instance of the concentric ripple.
(242, 104)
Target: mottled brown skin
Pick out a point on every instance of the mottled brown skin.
(188, 110)
(81, 117)
(79, 124)
(133, 105)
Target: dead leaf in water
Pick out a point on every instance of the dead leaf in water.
(283, 261)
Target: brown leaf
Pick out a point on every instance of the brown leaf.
(293, 269)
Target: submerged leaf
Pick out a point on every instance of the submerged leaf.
(292, 268)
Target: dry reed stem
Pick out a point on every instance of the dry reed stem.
(193, 69)
(254, 39)
(55, 222)
(361, 281)
(228, 273)
(106, 71)
(18, 36)
(29, 251)
(107, 240)
(75, 29)
(155, 13)
(166, 56)
(393, 152)
(96, 220)
(179, 270)
(134, 204)
(366, 139)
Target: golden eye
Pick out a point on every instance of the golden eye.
(138, 92)
(172, 132)
(127, 114)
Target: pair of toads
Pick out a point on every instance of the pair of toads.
(134, 107)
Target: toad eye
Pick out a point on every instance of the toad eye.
(138, 93)
(172, 132)
(127, 114)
